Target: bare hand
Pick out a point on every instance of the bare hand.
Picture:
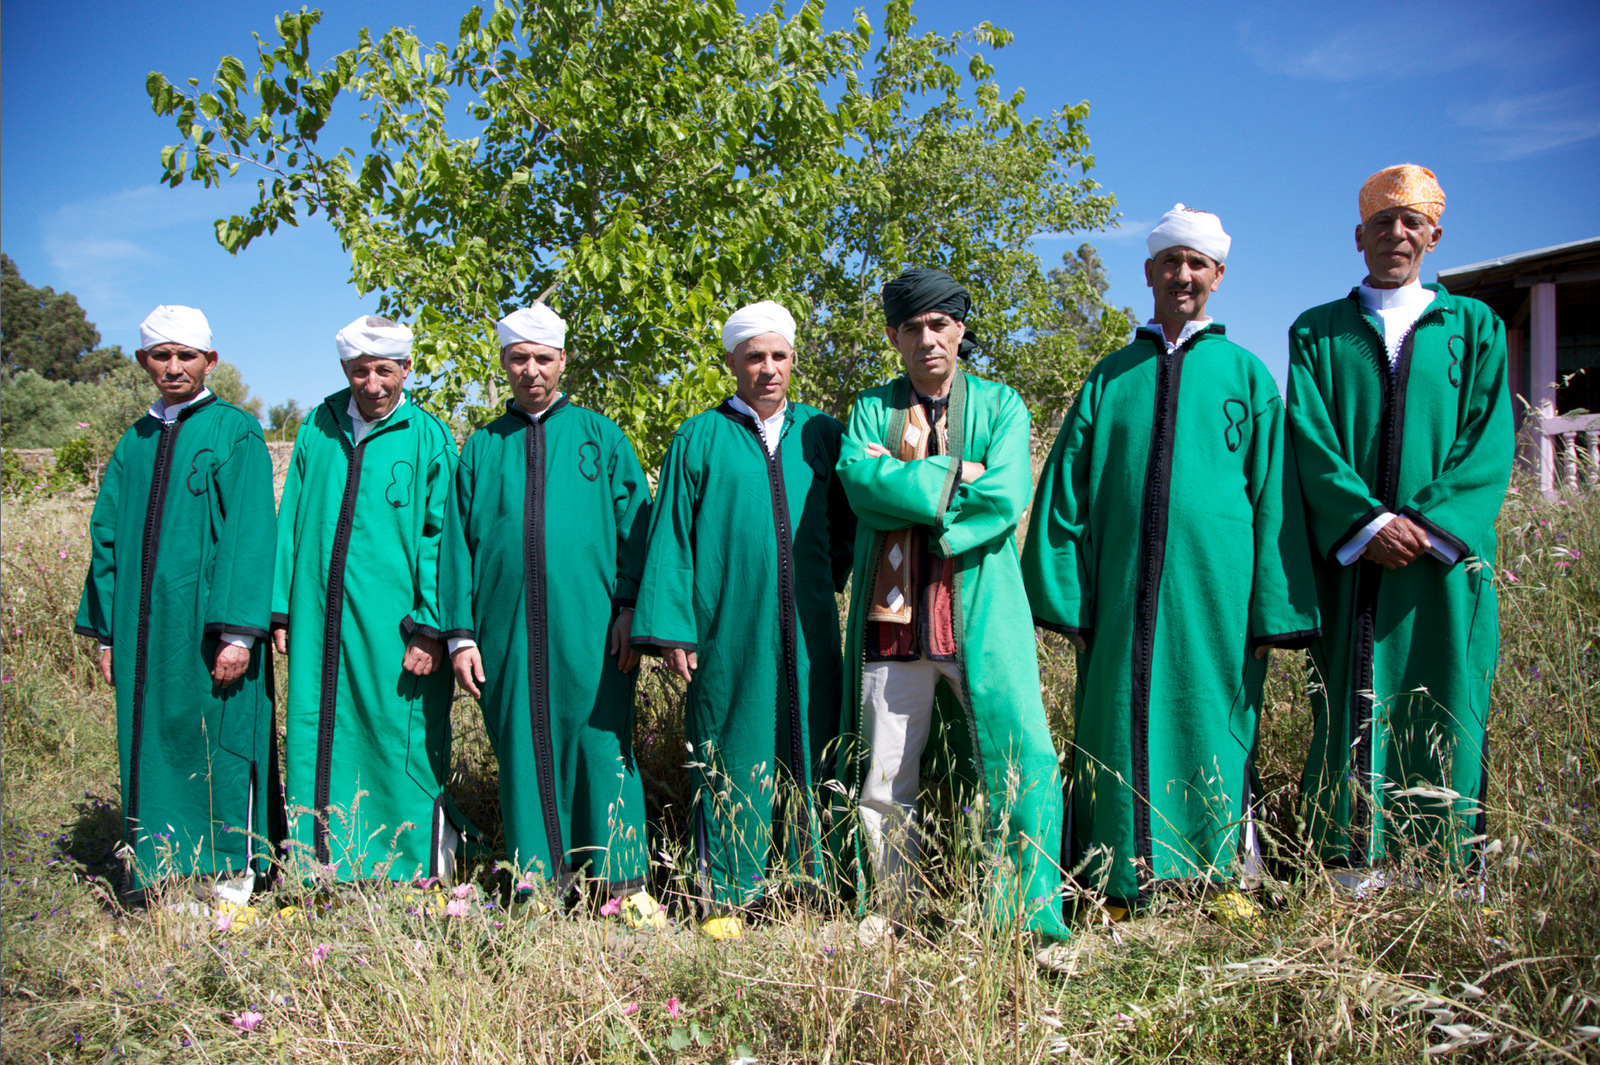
(618, 645)
(280, 639)
(1397, 543)
(1263, 651)
(971, 471)
(467, 664)
(423, 654)
(232, 661)
(1078, 642)
(683, 663)
(105, 664)
(876, 450)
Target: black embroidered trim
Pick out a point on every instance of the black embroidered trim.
(152, 540)
(1288, 641)
(242, 630)
(411, 628)
(1437, 533)
(538, 636)
(1354, 531)
(1062, 630)
(84, 630)
(460, 634)
(280, 621)
(646, 642)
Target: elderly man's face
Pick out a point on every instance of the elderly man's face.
(534, 371)
(375, 383)
(1182, 280)
(1393, 241)
(930, 349)
(761, 368)
(178, 371)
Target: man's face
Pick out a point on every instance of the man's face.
(375, 383)
(1182, 280)
(534, 371)
(1393, 241)
(179, 372)
(930, 348)
(761, 368)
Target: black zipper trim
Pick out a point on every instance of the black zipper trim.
(1369, 581)
(333, 615)
(1150, 562)
(535, 576)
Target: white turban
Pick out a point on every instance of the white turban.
(754, 320)
(172, 324)
(379, 337)
(533, 325)
(1189, 228)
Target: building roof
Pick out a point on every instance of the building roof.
(1554, 263)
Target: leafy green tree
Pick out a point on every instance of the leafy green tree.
(285, 418)
(1080, 328)
(47, 333)
(645, 166)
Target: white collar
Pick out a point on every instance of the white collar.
(771, 428)
(1391, 299)
(161, 411)
(1189, 329)
(359, 425)
(539, 417)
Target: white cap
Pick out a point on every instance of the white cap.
(534, 325)
(370, 335)
(174, 324)
(754, 320)
(1189, 228)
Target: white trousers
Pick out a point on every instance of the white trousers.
(897, 704)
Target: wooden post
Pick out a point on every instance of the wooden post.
(1569, 445)
(1542, 371)
(1547, 451)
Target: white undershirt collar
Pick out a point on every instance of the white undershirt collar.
(159, 408)
(1398, 309)
(1189, 329)
(359, 426)
(771, 428)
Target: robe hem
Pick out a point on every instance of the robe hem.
(413, 628)
(665, 645)
(84, 630)
(1288, 641)
(280, 621)
(1436, 532)
(1062, 630)
(242, 630)
(458, 634)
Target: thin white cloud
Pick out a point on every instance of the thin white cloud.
(1515, 127)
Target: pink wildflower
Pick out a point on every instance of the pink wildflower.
(522, 885)
(461, 891)
(247, 1020)
(83, 425)
(611, 907)
(61, 554)
(672, 1007)
(630, 1008)
(419, 946)
(224, 922)
(1508, 575)
(456, 908)
(319, 953)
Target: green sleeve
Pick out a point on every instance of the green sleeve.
(1459, 506)
(241, 588)
(1283, 599)
(987, 510)
(288, 510)
(888, 493)
(630, 503)
(99, 585)
(455, 553)
(427, 616)
(664, 615)
(841, 518)
(1058, 555)
(1337, 500)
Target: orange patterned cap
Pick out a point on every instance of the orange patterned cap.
(1406, 185)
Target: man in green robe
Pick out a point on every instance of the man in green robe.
(356, 608)
(1167, 543)
(1402, 429)
(940, 645)
(179, 590)
(748, 544)
(544, 544)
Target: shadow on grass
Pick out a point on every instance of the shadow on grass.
(93, 838)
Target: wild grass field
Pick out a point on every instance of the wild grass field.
(368, 975)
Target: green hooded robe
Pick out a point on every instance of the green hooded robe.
(1430, 438)
(746, 552)
(1001, 743)
(1168, 533)
(357, 575)
(181, 534)
(544, 543)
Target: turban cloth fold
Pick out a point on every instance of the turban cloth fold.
(919, 290)
(754, 320)
(174, 324)
(1406, 185)
(378, 337)
(1190, 228)
(532, 325)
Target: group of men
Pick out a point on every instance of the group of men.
(1187, 522)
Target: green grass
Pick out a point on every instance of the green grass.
(374, 975)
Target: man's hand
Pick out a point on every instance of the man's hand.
(1078, 643)
(232, 661)
(467, 664)
(683, 663)
(280, 639)
(105, 664)
(618, 645)
(423, 654)
(1263, 651)
(971, 471)
(1397, 543)
(876, 450)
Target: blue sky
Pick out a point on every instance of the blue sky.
(1269, 114)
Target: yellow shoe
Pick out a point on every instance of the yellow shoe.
(522, 910)
(722, 928)
(641, 910)
(232, 917)
(1232, 908)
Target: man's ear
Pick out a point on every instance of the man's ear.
(1150, 273)
(1438, 231)
(1358, 237)
(212, 358)
(893, 334)
(142, 357)
(1222, 268)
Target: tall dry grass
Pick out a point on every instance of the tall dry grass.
(382, 975)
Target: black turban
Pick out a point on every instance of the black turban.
(919, 290)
